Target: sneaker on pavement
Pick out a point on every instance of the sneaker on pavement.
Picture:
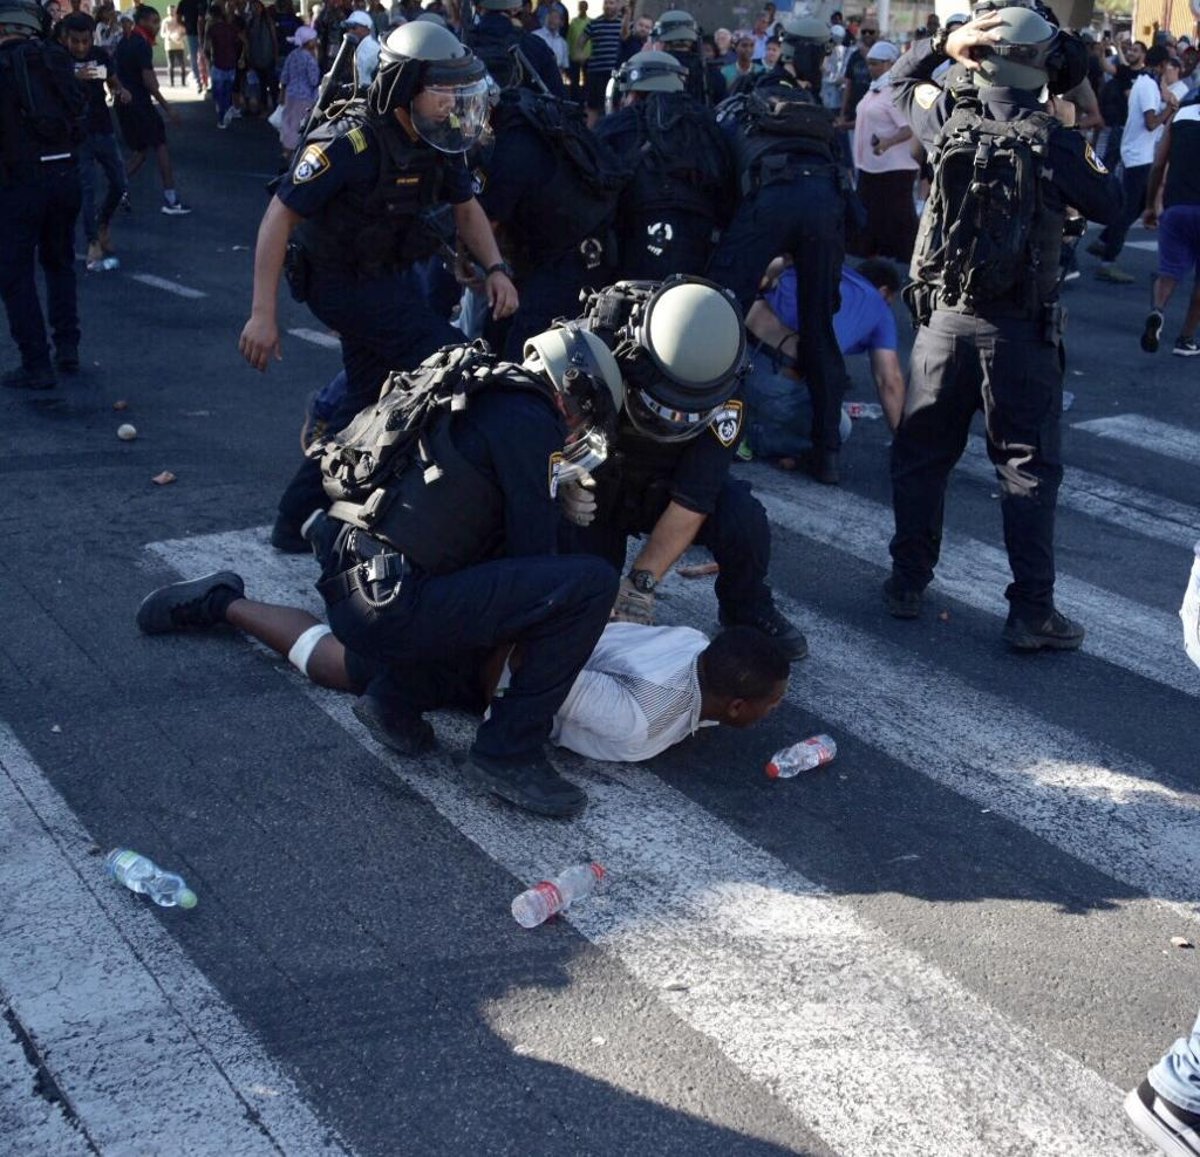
(774, 624)
(532, 784)
(901, 602)
(1114, 275)
(1151, 331)
(1054, 633)
(175, 208)
(1174, 1130)
(66, 357)
(196, 603)
(1186, 347)
(398, 728)
(29, 378)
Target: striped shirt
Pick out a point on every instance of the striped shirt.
(605, 38)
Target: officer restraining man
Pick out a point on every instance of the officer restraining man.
(510, 53)
(348, 220)
(41, 127)
(990, 327)
(682, 188)
(793, 202)
(681, 347)
(677, 33)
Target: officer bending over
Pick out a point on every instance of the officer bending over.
(985, 299)
(349, 216)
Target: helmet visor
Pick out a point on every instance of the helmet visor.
(451, 118)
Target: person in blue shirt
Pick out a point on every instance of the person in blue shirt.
(778, 406)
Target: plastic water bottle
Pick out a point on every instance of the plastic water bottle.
(803, 756)
(539, 903)
(858, 410)
(139, 874)
(104, 265)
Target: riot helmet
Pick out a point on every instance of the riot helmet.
(647, 71)
(24, 18)
(590, 392)
(676, 27)
(1018, 57)
(804, 42)
(422, 59)
(681, 346)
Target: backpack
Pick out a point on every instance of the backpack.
(776, 120)
(979, 239)
(44, 105)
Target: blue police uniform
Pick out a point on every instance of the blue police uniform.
(494, 33)
(1004, 357)
(355, 252)
(794, 202)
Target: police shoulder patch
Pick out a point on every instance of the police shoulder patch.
(312, 163)
(556, 471)
(1096, 163)
(726, 423)
(357, 139)
(926, 95)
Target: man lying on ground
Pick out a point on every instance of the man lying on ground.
(643, 690)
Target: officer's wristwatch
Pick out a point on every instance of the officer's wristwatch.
(499, 267)
(643, 580)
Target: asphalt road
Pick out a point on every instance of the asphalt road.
(956, 939)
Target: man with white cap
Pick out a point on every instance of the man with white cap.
(366, 56)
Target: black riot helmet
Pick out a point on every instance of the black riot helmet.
(804, 42)
(24, 18)
(681, 347)
(421, 56)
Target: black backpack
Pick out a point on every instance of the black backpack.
(978, 240)
(776, 121)
(43, 103)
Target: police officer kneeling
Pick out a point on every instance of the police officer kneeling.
(443, 543)
(984, 294)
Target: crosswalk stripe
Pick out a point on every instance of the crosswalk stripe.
(1139, 511)
(790, 984)
(1146, 434)
(1120, 631)
(76, 950)
(168, 286)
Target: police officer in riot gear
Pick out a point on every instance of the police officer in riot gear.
(681, 347)
(676, 32)
(41, 126)
(455, 555)
(350, 217)
(999, 349)
(793, 202)
(512, 55)
(682, 188)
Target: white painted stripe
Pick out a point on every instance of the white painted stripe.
(1147, 434)
(1149, 246)
(792, 986)
(1139, 511)
(94, 978)
(317, 337)
(169, 286)
(1120, 631)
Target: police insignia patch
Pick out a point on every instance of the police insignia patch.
(556, 471)
(357, 139)
(1089, 155)
(926, 95)
(313, 162)
(727, 423)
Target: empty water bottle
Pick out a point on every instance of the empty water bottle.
(104, 265)
(539, 903)
(858, 410)
(803, 756)
(140, 874)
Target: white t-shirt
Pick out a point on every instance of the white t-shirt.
(1137, 142)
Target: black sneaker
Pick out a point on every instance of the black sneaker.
(393, 726)
(1055, 633)
(1151, 330)
(1185, 347)
(29, 378)
(774, 624)
(66, 357)
(175, 208)
(901, 602)
(1174, 1130)
(530, 784)
(196, 603)
(288, 538)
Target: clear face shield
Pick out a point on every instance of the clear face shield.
(451, 118)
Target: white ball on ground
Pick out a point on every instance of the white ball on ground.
(126, 432)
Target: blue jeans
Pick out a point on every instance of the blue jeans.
(778, 410)
(222, 88)
(1134, 182)
(193, 43)
(100, 149)
(1177, 1076)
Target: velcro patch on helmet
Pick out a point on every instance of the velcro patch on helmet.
(726, 423)
(313, 162)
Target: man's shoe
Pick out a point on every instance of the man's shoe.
(175, 208)
(531, 784)
(823, 466)
(1054, 633)
(1185, 347)
(288, 538)
(29, 378)
(66, 357)
(901, 602)
(195, 603)
(1151, 331)
(1096, 248)
(393, 726)
(774, 624)
(1174, 1130)
(1114, 275)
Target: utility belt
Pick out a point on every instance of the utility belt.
(782, 168)
(377, 568)
(1051, 316)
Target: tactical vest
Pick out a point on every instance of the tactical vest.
(42, 107)
(396, 473)
(496, 50)
(989, 243)
(368, 231)
(779, 129)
